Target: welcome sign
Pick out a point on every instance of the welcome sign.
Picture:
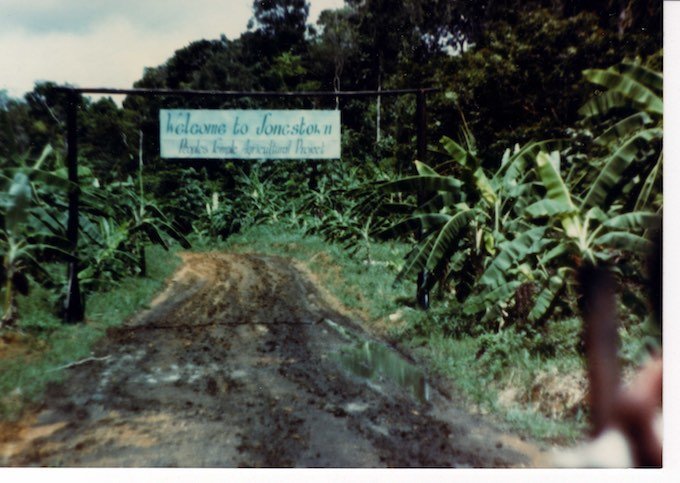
(250, 134)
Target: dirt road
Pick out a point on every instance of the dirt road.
(243, 362)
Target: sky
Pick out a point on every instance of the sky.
(107, 43)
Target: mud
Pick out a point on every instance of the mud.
(236, 365)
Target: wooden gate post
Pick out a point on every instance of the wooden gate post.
(75, 311)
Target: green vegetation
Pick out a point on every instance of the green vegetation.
(533, 173)
(36, 353)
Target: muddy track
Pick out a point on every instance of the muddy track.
(235, 366)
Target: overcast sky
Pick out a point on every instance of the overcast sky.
(109, 42)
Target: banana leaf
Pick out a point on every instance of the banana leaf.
(446, 238)
(645, 196)
(520, 161)
(455, 150)
(511, 252)
(550, 207)
(625, 241)
(546, 298)
(637, 220)
(601, 105)
(480, 302)
(558, 193)
(617, 163)
(648, 77)
(628, 86)
(424, 170)
(415, 260)
(623, 128)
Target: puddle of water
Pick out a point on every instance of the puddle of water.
(373, 361)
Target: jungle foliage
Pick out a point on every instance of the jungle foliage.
(546, 153)
(506, 243)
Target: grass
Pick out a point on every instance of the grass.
(456, 358)
(369, 291)
(31, 357)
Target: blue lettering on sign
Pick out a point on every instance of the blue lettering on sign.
(298, 129)
(250, 134)
(192, 148)
(224, 149)
(187, 127)
(309, 149)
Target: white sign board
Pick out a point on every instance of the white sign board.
(250, 134)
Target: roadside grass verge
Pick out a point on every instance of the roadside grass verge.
(370, 293)
(34, 354)
(494, 390)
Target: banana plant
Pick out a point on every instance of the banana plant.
(106, 255)
(565, 230)
(617, 205)
(631, 111)
(442, 219)
(597, 216)
(145, 222)
(587, 228)
(468, 214)
(22, 244)
(116, 221)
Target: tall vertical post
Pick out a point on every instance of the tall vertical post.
(75, 310)
(422, 294)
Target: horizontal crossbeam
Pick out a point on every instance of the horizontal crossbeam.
(212, 93)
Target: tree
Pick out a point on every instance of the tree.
(14, 127)
(385, 31)
(185, 65)
(280, 25)
(507, 96)
(104, 139)
(338, 40)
